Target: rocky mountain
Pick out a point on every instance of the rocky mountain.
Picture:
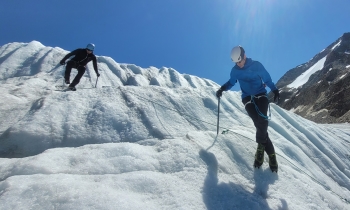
(319, 89)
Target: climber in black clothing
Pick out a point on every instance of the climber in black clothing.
(79, 61)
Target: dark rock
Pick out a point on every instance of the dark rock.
(325, 98)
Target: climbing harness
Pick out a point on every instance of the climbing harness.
(257, 108)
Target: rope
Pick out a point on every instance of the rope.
(315, 180)
(312, 178)
(227, 130)
(258, 110)
(155, 110)
(182, 114)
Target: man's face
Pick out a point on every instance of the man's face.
(242, 62)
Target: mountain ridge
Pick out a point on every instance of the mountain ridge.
(323, 98)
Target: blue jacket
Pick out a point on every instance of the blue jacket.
(251, 77)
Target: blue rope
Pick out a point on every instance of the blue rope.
(227, 130)
(258, 111)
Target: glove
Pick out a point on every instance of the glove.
(277, 95)
(97, 74)
(62, 62)
(219, 93)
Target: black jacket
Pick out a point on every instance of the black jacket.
(82, 58)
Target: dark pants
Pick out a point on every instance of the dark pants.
(260, 123)
(81, 70)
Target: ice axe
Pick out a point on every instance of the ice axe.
(96, 82)
(217, 125)
(217, 131)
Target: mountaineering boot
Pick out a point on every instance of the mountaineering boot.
(72, 88)
(259, 156)
(273, 162)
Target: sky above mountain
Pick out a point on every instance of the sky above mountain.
(193, 37)
(147, 139)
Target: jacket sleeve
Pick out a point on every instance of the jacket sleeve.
(94, 63)
(69, 55)
(266, 78)
(228, 85)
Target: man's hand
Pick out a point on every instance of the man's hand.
(219, 93)
(277, 95)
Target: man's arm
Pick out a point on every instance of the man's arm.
(94, 63)
(69, 55)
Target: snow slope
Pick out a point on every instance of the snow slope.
(304, 77)
(145, 138)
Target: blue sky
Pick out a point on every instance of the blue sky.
(192, 36)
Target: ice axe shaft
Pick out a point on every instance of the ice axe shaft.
(217, 130)
(96, 82)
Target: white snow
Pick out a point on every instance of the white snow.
(336, 45)
(304, 77)
(348, 66)
(341, 77)
(149, 141)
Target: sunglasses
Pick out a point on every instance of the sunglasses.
(89, 50)
(239, 62)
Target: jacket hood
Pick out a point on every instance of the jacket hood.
(248, 62)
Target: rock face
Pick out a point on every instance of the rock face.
(319, 90)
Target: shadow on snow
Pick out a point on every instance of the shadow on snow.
(234, 196)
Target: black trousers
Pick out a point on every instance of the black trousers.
(261, 124)
(81, 70)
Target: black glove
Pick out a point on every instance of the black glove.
(97, 74)
(62, 62)
(219, 93)
(277, 95)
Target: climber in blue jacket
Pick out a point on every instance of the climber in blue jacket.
(253, 78)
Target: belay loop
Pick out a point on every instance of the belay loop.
(257, 108)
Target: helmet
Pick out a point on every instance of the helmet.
(237, 54)
(90, 47)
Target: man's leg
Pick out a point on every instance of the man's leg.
(263, 104)
(269, 148)
(81, 71)
(259, 154)
(69, 66)
(260, 123)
